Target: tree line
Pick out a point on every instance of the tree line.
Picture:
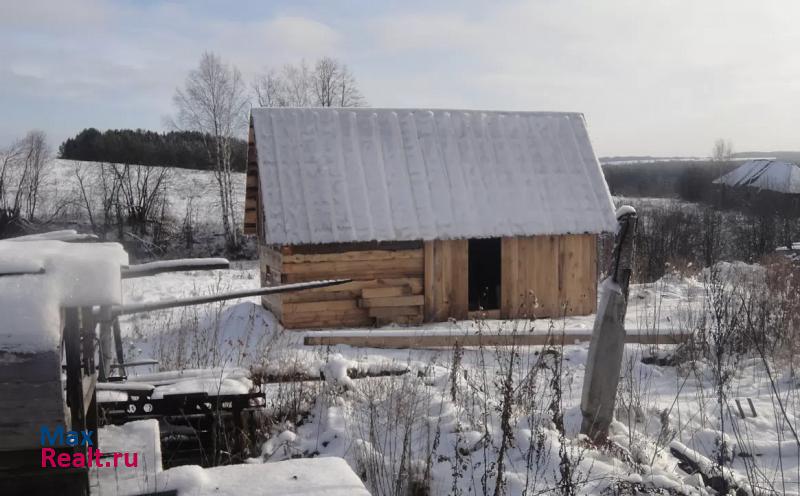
(183, 149)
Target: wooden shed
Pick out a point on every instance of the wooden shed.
(434, 214)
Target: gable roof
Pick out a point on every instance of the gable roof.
(331, 175)
(772, 175)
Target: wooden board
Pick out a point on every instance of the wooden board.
(349, 256)
(393, 301)
(319, 306)
(446, 279)
(373, 339)
(577, 268)
(389, 312)
(251, 216)
(385, 292)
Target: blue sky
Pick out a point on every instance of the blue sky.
(652, 77)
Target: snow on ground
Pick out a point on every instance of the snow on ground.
(326, 476)
(442, 423)
(192, 195)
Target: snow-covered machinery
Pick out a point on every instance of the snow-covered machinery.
(61, 347)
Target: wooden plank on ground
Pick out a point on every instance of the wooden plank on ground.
(311, 320)
(394, 301)
(400, 339)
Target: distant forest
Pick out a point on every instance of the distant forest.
(184, 149)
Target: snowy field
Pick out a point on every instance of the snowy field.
(192, 195)
(460, 416)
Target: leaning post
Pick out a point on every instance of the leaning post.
(604, 362)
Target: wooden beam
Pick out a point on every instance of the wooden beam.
(394, 301)
(390, 312)
(434, 339)
(385, 292)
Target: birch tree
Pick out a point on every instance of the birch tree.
(214, 102)
(22, 170)
(329, 83)
(722, 151)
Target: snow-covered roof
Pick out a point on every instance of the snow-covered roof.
(345, 175)
(38, 277)
(772, 175)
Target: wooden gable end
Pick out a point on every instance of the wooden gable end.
(251, 202)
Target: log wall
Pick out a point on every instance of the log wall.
(387, 286)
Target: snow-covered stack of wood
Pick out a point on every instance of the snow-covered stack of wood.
(433, 213)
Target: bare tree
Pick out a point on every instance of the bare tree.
(37, 155)
(335, 85)
(214, 102)
(722, 151)
(329, 84)
(142, 192)
(22, 166)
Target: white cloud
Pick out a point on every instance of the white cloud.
(652, 77)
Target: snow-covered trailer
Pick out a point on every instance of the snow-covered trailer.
(434, 214)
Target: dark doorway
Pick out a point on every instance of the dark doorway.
(484, 274)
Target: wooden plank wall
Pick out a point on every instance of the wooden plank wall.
(542, 276)
(446, 279)
(548, 276)
(251, 202)
(387, 287)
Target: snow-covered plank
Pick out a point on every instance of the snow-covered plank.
(176, 265)
(326, 476)
(65, 275)
(349, 175)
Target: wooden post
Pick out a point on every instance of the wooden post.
(118, 347)
(608, 337)
(106, 342)
(72, 351)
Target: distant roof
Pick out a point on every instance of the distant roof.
(345, 175)
(772, 175)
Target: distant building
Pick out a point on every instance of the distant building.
(763, 187)
(764, 175)
(434, 214)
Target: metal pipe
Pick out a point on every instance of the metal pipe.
(116, 311)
